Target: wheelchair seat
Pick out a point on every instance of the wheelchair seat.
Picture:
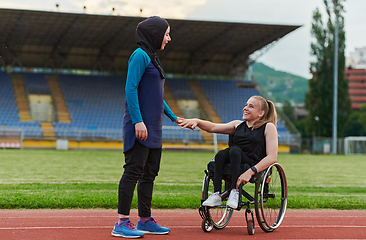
(227, 171)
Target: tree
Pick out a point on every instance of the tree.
(301, 127)
(362, 118)
(319, 99)
(356, 125)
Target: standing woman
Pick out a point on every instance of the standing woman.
(142, 128)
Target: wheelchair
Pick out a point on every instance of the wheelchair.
(269, 199)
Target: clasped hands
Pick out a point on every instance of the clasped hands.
(189, 123)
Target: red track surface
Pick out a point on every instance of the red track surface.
(184, 224)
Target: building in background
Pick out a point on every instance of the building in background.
(355, 72)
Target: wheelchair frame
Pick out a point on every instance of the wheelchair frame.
(269, 200)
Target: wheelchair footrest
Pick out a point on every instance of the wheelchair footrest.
(203, 212)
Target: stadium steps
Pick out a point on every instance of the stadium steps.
(48, 130)
(172, 102)
(21, 98)
(61, 108)
(207, 108)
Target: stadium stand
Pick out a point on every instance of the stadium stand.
(180, 88)
(95, 105)
(36, 83)
(9, 116)
(228, 100)
(8, 109)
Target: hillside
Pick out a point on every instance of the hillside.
(279, 86)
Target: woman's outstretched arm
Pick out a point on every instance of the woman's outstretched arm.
(223, 128)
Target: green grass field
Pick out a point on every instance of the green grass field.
(89, 179)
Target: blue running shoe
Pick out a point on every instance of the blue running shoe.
(126, 230)
(151, 227)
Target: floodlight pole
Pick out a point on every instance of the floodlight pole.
(335, 80)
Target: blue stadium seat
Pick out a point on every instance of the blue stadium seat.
(91, 100)
(180, 88)
(36, 83)
(226, 98)
(97, 103)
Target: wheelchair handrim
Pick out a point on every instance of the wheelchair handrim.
(282, 210)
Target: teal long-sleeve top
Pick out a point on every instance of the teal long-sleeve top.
(144, 101)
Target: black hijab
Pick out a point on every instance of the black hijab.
(149, 36)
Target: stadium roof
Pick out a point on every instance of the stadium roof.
(99, 42)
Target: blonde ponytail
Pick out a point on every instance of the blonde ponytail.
(270, 113)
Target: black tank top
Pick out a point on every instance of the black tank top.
(251, 142)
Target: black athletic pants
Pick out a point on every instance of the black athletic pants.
(233, 155)
(141, 165)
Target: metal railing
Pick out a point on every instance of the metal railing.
(171, 134)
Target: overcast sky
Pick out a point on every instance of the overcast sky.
(290, 54)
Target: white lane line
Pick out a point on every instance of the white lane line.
(26, 181)
(39, 217)
(97, 182)
(156, 216)
(308, 226)
(176, 227)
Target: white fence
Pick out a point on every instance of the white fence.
(355, 145)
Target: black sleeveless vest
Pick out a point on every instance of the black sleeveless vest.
(251, 142)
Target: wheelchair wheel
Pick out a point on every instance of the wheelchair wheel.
(206, 225)
(250, 221)
(271, 198)
(250, 227)
(218, 216)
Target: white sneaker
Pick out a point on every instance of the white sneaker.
(233, 199)
(213, 200)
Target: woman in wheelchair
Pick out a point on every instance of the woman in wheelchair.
(255, 142)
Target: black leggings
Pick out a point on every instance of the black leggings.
(233, 155)
(142, 166)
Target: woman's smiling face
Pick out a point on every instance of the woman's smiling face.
(252, 110)
(166, 38)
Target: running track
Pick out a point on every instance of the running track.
(184, 224)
